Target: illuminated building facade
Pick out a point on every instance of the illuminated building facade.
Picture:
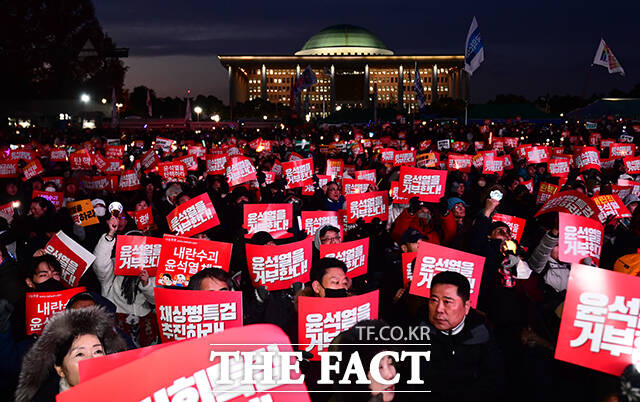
(350, 63)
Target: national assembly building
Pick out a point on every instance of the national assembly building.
(350, 64)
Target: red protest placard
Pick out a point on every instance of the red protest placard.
(58, 155)
(190, 161)
(298, 172)
(114, 151)
(594, 139)
(196, 377)
(367, 206)
(143, 218)
(386, 155)
(599, 317)
(580, 238)
(135, 253)
(611, 204)
(632, 164)
(587, 158)
(172, 171)
(571, 202)
(8, 169)
(239, 169)
(394, 193)
(320, 319)
(216, 164)
(188, 314)
(80, 160)
(428, 185)
(428, 160)
(493, 165)
(459, 162)
(545, 191)
(274, 219)
(353, 186)
(516, 225)
(56, 198)
(24, 154)
(432, 259)
(635, 186)
(129, 181)
(353, 253)
(407, 158)
(32, 169)
(314, 220)
(537, 154)
(334, 167)
(278, 267)
(407, 271)
(366, 175)
(621, 150)
(40, 306)
(74, 259)
(149, 159)
(193, 217)
(183, 257)
(199, 151)
(559, 167)
(95, 183)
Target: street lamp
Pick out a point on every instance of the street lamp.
(215, 117)
(85, 98)
(198, 110)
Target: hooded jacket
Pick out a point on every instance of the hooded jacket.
(38, 364)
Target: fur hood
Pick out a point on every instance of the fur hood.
(38, 363)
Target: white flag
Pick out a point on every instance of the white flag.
(187, 115)
(149, 109)
(473, 48)
(604, 57)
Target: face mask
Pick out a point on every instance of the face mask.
(425, 215)
(100, 211)
(50, 285)
(328, 292)
(482, 183)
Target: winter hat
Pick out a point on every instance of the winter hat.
(451, 202)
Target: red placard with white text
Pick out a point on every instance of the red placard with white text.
(407, 271)
(598, 328)
(56, 198)
(407, 158)
(129, 181)
(24, 154)
(314, 220)
(278, 267)
(426, 184)
(394, 193)
(196, 377)
(187, 314)
(611, 205)
(493, 165)
(298, 173)
(194, 216)
(367, 206)
(459, 162)
(334, 167)
(74, 259)
(353, 253)
(135, 253)
(172, 171)
(580, 238)
(366, 175)
(216, 164)
(572, 202)
(40, 306)
(8, 169)
(143, 218)
(587, 158)
(274, 219)
(114, 151)
(354, 186)
(632, 164)
(182, 257)
(239, 169)
(321, 319)
(80, 160)
(432, 259)
(58, 155)
(538, 154)
(559, 167)
(386, 155)
(190, 161)
(621, 150)
(545, 191)
(516, 225)
(32, 169)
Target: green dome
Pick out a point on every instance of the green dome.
(344, 40)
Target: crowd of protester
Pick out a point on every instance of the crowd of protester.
(501, 350)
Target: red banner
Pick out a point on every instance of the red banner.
(216, 164)
(635, 186)
(196, 377)
(609, 205)
(432, 259)
(114, 151)
(188, 314)
(278, 267)
(24, 154)
(580, 238)
(394, 193)
(407, 158)
(149, 159)
(559, 167)
(353, 253)
(428, 160)
(94, 183)
(314, 220)
(386, 155)
(190, 161)
(40, 306)
(8, 169)
(143, 218)
(199, 151)
(545, 191)
(598, 328)
(298, 172)
(183, 257)
(537, 154)
(32, 169)
(58, 155)
(334, 167)
(239, 169)
(367, 206)
(428, 185)
(366, 175)
(353, 186)
(129, 181)
(80, 160)
(56, 198)
(571, 202)
(621, 150)
(172, 171)
(275, 219)
(194, 216)
(73, 258)
(493, 165)
(321, 319)
(632, 164)
(459, 162)
(516, 225)
(135, 253)
(587, 158)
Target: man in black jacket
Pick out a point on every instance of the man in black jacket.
(465, 364)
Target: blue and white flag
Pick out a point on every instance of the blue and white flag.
(473, 49)
(604, 57)
(417, 85)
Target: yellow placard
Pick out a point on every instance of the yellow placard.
(82, 213)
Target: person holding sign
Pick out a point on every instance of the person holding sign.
(133, 296)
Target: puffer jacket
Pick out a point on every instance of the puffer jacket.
(557, 273)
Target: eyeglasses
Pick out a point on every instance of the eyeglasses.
(329, 239)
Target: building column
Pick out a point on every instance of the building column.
(332, 103)
(232, 97)
(263, 83)
(401, 87)
(365, 100)
(434, 84)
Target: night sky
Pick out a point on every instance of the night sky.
(531, 48)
